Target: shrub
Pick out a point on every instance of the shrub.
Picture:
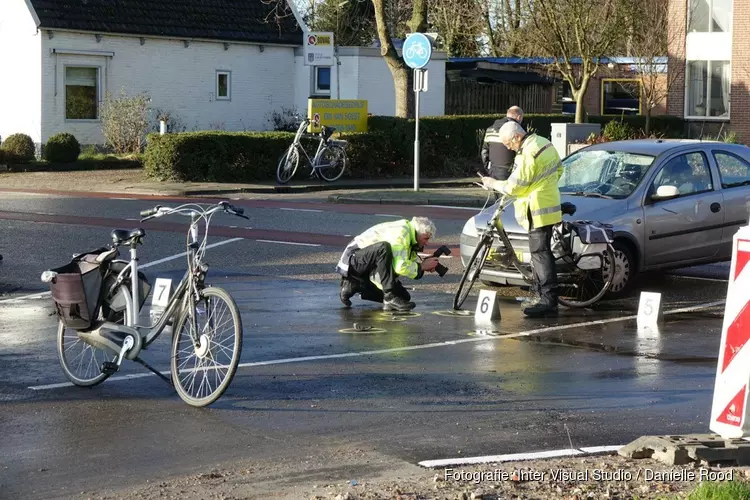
(20, 147)
(62, 148)
(617, 130)
(125, 122)
(286, 120)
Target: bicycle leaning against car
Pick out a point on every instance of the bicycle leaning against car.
(583, 257)
(98, 300)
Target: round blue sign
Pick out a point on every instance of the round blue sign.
(417, 50)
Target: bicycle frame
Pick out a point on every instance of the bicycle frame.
(314, 162)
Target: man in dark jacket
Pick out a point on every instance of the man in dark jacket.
(496, 158)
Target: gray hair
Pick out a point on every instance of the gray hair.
(515, 112)
(423, 225)
(511, 130)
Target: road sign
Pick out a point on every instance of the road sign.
(420, 80)
(318, 48)
(729, 408)
(417, 50)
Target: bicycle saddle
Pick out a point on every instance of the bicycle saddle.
(123, 236)
(567, 208)
(327, 132)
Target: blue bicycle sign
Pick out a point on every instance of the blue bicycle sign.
(417, 50)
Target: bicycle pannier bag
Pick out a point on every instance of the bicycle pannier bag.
(590, 242)
(76, 291)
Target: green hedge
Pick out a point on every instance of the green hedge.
(449, 147)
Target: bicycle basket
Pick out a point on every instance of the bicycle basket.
(76, 289)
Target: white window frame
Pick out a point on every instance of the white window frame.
(316, 89)
(710, 18)
(228, 73)
(98, 93)
(706, 117)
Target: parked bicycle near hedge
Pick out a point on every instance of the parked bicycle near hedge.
(98, 300)
(329, 162)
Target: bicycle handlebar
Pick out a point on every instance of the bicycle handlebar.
(159, 210)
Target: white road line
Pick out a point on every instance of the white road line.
(300, 209)
(475, 209)
(387, 215)
(413, 347)
(125, 199)
(513, 457)
(144, 266)
(501, 458)
(291, 243)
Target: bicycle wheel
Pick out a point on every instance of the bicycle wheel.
(333, 158)
(202, 373)
(471, 273)
(288, 164)
(81, 362)
(589, 285)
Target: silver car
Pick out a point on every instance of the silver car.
(673, 203)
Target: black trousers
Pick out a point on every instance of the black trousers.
(543, 263)
(376, 257)
(500, 172)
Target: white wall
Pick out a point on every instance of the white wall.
(179, 79)
(20, 83)
(364, 74)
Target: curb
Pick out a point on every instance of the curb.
(459, 202)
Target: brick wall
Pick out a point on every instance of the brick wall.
(676, 54)
(739, 108)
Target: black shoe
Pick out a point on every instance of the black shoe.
(347, 291)
(393, 302)
(541, 308)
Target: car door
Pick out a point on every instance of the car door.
(734, 175)
(685, 227)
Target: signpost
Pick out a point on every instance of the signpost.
(318, 48)
(417, 51)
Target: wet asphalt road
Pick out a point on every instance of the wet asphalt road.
(420, 387)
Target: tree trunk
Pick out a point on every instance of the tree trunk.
(579, 104)
(418, 21)
(398, 68)
(648, 120)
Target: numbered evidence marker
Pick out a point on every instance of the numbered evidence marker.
(488, 307)
(649, 310)
(160, 298)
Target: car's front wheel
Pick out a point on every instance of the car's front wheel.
(624, 270)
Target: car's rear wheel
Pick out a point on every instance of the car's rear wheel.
(625, 270)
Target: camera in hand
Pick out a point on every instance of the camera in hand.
(441, 269)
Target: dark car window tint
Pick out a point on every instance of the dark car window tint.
(689, 173)
(733, 170)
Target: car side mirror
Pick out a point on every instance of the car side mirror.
(665, 193)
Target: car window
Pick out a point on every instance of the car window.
(689, 173)
(734, 171)
(610, 173)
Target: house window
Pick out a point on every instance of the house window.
(707, 92)
(710, 16)
(223, 85)
(322, 80)
(81, 93)
(621, 97)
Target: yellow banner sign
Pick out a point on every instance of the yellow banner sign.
(345, 115)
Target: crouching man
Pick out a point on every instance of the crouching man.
(372, 263)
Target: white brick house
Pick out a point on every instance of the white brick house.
(212, 63)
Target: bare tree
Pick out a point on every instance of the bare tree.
(504, 22)
(576, 35)
(460, 25)
(649, 45)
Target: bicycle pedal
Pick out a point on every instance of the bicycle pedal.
(109, 367)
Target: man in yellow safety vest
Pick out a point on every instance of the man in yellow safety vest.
(372, 262)
(533, 184)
